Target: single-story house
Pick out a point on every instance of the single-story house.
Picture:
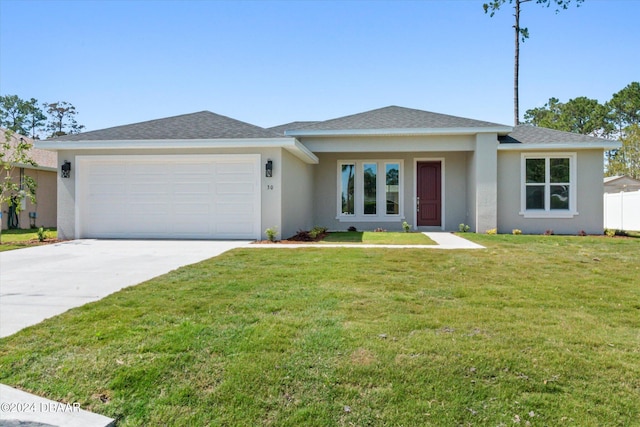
(207, 176)
(44, 212)
(616, 184)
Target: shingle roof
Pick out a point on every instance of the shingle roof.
(394, 117)
(608, 179)
(291, 126)
(528, 134)
(43, 158)
(201, 125)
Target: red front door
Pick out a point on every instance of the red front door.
(429, 202)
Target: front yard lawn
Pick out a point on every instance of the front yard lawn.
(377, 238)
(539, 330)
(19, 238)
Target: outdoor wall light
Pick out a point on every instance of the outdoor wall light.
(65, 169)
(268, 169)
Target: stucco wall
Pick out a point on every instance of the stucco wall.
(297, 195)
(46, 198)
(325, 188)
(270, 206)
(589, 197)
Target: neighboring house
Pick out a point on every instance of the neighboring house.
(616, 184)
(45, 208)
(207, 176)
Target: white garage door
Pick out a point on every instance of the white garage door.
(168, 197)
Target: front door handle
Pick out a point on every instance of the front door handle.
(417, 204)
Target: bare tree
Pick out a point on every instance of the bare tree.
(495, 5)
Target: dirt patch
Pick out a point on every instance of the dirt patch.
(362, 357)
(33, 242)
(300, 237)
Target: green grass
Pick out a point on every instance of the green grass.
(378, 238)
(17, 239)
(541, 329)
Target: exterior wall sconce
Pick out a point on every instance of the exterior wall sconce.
(268, 169)
(65, 169)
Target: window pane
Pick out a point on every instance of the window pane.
(559, 197)
(348, 186)
(535, 196)
(393, 188)
(535, 170)
(559, 169)
(370, 175)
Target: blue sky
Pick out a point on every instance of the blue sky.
(271, 62)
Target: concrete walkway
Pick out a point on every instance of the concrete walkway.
(23, 409)
(451, 241)
(443, 241)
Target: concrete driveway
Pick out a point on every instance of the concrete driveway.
(40, 282)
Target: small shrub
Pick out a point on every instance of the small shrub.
(582, 233)
(42, 234)
(609, 232)
(463, 228)
(352, 228)
(406, 226)
(516, 232)
(379, 230)
(492, 231)
(271, 233)
(548, 232)
(317, 231)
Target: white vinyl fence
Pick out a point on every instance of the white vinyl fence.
(622, 211)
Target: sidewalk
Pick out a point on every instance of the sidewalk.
(18, 408)
(443, 240)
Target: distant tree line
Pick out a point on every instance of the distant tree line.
(30, 118)
(618, 118)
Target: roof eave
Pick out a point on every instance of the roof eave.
(39, 167)
(290, 144)
(560, 146)
(500, 130)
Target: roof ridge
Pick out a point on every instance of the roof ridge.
(396, 117)
(203, 124)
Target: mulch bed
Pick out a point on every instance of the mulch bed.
(300, 237)
(33, 242)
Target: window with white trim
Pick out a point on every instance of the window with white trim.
(548, 185)
(370, 190)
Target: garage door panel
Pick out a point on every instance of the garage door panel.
(110, 188)
(192, 208)
(235, 209)
(138, 189)
(146, 209)
(236, 227)
(235, 188)
(186, 196)
(109, 168)
(200, 188)
(235, 167)
(149, 168)
(193, 166)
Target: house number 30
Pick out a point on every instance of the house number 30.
(269, 187)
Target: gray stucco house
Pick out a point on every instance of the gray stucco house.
(206, 176)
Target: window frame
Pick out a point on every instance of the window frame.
(547, 212)
(381, 214)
